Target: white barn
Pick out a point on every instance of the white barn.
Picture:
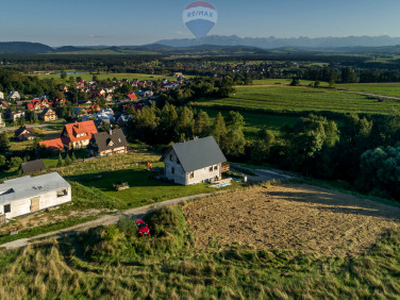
(25, 195)
(194, 162)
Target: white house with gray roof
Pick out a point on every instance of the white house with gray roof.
(25, 195)
(194, 162)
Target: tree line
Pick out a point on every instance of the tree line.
(364, 151)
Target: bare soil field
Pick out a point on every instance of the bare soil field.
(293, 217)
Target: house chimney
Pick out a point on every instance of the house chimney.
(110, 131)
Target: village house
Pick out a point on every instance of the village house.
(28, 194)
(2, 124)
(48, 115)
(32, 167)
(78, 135)
(194, 162)
(131, 97)
(1, 95)
(15, 115)
(3, 105)
(24, 134)
(14, 95)
(106, 115)
(108, 143)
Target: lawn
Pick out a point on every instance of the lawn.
(286, 99)
(143, 189)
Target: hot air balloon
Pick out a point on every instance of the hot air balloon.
(200, 17)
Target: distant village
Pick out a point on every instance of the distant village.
(93, 114)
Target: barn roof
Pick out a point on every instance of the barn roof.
(32, 166)
(29, 187)
(198, 154)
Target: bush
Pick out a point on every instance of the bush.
(15, 162)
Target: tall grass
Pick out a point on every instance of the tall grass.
(112, 262)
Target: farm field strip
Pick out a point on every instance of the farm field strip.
(387, 89)
(298, 99)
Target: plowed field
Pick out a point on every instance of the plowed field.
(291, 216)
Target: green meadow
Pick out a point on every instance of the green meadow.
(288, 99)
(387, 89)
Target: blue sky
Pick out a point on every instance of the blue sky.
(123, 22)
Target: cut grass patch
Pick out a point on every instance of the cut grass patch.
(143, 189)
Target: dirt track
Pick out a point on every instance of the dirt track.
(292, 216)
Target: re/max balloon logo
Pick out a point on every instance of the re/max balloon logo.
(200, 17)
(200, 13)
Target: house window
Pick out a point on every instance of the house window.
(215, 168)
(191, 175)
(7, 208)
(62, 193)
(173, 170)
(210, 169)
(171, 157)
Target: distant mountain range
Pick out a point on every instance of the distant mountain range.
(223, 45)
(301, 42)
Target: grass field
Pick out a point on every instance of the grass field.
(256, 120)
(113, 263)
(278, 82)
(387, 89)
(299, 99)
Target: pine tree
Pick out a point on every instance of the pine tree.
(219, 131)
(202, 124)
(4, 143)
(68, 160)
(60, 160)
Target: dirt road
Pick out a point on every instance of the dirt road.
(104, 220)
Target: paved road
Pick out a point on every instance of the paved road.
(261, 176)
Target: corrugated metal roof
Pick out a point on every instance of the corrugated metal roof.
(198, 154)
(29, 187)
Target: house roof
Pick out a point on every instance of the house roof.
(55, 144)
(198, 154)
(132, 96)
(23, 129)
(76, 128)
(105, 141)
(29, 187)
(32, 166)
(46, 111)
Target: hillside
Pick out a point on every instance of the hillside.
(23, 48)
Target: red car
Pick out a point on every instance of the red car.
(142, 227)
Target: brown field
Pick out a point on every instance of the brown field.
(293, 217)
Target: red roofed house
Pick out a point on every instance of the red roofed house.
(132, 96)
(78, 135)
(54, 144)
(3, 104)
